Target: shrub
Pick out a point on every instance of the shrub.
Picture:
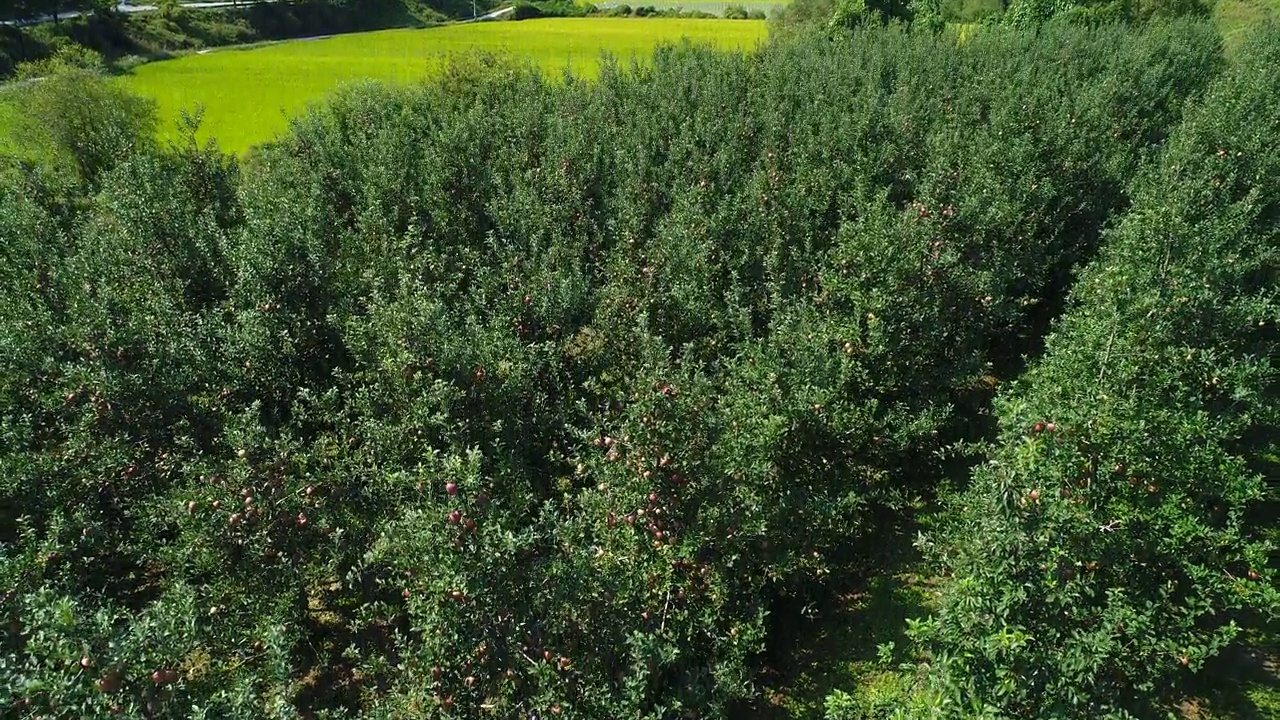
(78, 120)
(1109, 548)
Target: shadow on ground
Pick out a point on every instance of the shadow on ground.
(836, 644)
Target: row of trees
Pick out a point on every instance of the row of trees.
(934, 14)
(503, 396)
(23, 10)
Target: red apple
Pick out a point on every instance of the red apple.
(455, 517)
(451, 488)
(469, 524)
(1039, 427)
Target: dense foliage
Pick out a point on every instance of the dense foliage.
(1114, 544)
(505, 396)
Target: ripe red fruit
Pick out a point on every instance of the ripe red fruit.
(546, 655)
(451, 488)
(469, 681)
(611, 520)
(1034, 495)
(1039, 427)
(1051, 427)
(437, 673)
(645, 615)
(469, 524)
(447, 702)
(629, 519)
(1253, 575)
(85, 662)
(301, 520)
(170, 677)
(157, 677)
(405, 594)
(311, 490)
(235, 519)
(1184, 661)
(455, 517)
(653, 497)
(564, 663)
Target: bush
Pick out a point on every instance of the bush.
(1113, 545)
(735, 12)
(74, 118)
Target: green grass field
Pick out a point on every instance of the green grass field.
(249, 93)
(1235, 17)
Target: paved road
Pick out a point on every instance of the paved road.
(125, 7)
(132, 8)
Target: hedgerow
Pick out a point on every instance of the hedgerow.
(1114, 544)
(507, 395)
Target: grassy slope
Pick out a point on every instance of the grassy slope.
(1235, 17)
(248, 93)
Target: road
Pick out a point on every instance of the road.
(124, 7)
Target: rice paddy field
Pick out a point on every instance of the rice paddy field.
(248, 94)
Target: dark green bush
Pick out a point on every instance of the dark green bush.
(1112, 546)
(73, 118)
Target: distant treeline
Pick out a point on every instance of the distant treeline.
(174, 29)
